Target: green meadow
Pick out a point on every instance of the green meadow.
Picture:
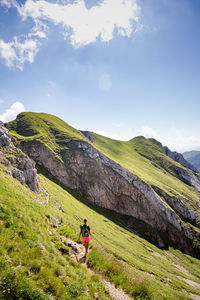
(33, 266)
(146, 159)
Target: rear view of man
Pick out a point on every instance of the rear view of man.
(85, 232)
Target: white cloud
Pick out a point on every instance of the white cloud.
(82, 25)
(105, 82)
(11, 113)
(39, 30)
(175, 139)
(18, 51)
(181, 141)
(8, 3)
(148, 132)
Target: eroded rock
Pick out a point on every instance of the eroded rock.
(178, 157)
(20, 165)
(5, 139)
(106, 184)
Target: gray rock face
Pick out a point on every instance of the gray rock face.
(179, 158)
(106, 184)
(178, 205)
(188, 177)
(5, 140)
(88, 135)
(141, 186)
(19, 175)
(19, 164)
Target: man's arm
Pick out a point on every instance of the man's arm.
(89, 231)
(80, 235)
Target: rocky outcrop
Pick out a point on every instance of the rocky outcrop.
(183, 210)
(188, 177)
(179, 158)
(106, 184)
(88, 135)
(19, 165)
(5, 139)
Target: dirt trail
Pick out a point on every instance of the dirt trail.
(78, 252)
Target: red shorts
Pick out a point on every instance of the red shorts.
(86, 239)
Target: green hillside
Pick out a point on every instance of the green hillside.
(50, 130)
(193, 157)
(145, 158)
(33, 267)
(142, 157)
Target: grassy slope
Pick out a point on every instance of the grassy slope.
(49, 129)
(157, 173)
(54, 132)
(33, 267)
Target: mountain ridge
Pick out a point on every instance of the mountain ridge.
(128, 177)
(123, 256)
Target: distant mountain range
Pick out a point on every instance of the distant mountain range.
(193, 157)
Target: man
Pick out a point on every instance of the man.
(85, 232)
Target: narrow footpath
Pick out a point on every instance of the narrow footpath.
(77, 255)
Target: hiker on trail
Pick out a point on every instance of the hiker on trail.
(85, 232)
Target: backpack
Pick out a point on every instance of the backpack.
(85, 231)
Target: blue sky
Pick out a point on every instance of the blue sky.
(118, 67)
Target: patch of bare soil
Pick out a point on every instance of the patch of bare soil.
(190, 282)
(177, 266)
(173, 256)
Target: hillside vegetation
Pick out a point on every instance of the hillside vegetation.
(96, 166)
(33, 266)
(142, 157)
(50, 130)
(146, 158)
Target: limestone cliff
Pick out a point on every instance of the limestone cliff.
(106, 184)
(19, 165)
(164, 206)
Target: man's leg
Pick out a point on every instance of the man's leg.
(86, 248)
